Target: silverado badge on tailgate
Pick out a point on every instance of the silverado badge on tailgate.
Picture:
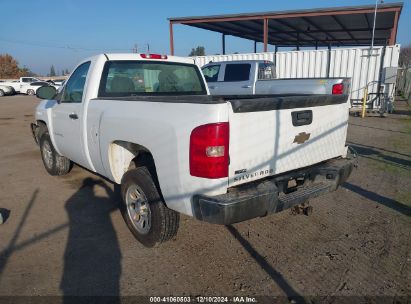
(301, 138)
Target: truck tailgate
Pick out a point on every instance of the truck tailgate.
(272, 135)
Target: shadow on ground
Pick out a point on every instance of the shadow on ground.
(379, 155)
(92, 259)
(277, 277)
(388, 202)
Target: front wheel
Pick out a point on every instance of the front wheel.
(54, 163)
(30, 92)
(1, 93)
(144, 212)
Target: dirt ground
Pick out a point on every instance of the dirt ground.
(65, 235)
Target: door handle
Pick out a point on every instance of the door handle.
(246, 86)
(212, 87)
(73, 116)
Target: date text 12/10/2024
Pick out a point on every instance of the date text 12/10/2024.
(203, 299)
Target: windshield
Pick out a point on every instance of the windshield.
(134, 78)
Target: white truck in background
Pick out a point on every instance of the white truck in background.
(6, 90)
(18, 84)
(249, 77)
(148, 123)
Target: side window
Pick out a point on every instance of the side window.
(73, 91)
(211, 72)
(266, 71)
(237, 72)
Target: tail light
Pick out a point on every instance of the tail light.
(209, 150)
(338, 89)
(153, 56)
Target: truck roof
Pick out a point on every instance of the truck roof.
(137, 56)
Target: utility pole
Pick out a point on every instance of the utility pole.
(148, 48)
(375, 18)
(135, 48)
(365, 94)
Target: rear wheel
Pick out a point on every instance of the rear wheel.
(1, 93)
(144, 212)
(54, 163)
(30, 92)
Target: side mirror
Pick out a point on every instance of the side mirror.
(46, 92)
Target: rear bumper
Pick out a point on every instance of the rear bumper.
(260, 198)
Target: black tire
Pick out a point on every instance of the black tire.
(54, 163)
(163, 222)
(1, 93)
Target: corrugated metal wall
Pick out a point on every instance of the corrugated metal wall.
(359, 64)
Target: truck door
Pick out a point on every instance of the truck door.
(68, 115)
(24, 84)
(238, 79)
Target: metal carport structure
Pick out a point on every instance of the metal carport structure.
(336, 26)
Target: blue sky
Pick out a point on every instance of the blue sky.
(41, 33)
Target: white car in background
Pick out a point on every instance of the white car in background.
(57, 82)
(31, 88)
(21, 82)
(6, 90)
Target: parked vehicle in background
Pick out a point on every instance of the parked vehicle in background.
(57, 82)
(31, 88)
(147, 122)
(247, 77)
(17, 84)
(6, 90)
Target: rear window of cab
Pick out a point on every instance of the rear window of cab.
(136, 78)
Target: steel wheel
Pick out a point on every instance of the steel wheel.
(47, 154)
(138, 209)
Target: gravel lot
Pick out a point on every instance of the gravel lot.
(65, 235)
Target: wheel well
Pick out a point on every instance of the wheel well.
(42, 128)
(124, 156)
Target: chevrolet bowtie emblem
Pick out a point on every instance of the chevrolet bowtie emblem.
(301, 138)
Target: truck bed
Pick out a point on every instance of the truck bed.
(250, 103)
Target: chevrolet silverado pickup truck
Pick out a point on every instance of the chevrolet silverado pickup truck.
(148, 123)
(247, 77)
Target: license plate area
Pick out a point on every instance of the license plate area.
(293, 184)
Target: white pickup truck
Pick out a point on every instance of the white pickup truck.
(258, 77)
(147, 122)
(17, 85)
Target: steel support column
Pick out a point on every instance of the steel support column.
(171, 40)
(393, 36)
(265, 34)
(328, 60)
(223, 43)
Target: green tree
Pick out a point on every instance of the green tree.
(52, 71)
(198, 51)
